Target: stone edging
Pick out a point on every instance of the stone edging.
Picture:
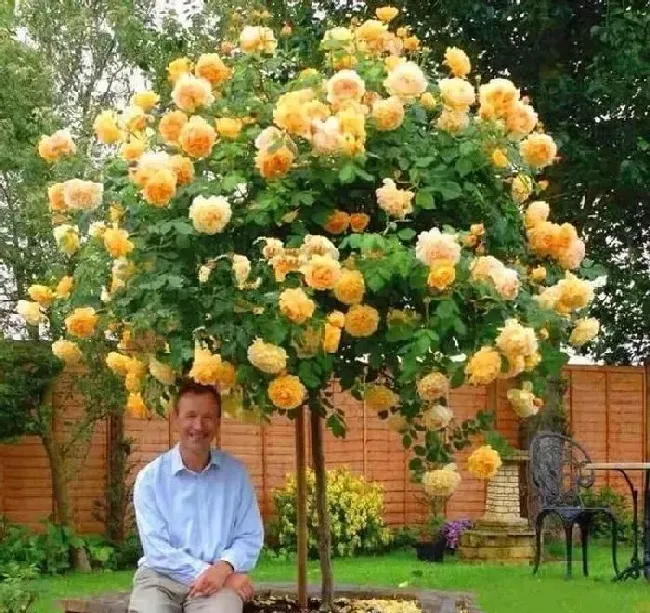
(431, 601)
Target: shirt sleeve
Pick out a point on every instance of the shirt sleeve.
(154, 535)
(248, 534)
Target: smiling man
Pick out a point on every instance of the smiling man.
(198, 519)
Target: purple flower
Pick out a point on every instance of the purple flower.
(453, 530)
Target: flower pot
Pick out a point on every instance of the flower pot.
(432, 551)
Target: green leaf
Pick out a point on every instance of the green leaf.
(346, 174)
(307, 374)
(448, 190)
(406, 234)
(425, 200)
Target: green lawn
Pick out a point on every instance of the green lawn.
(499, 589)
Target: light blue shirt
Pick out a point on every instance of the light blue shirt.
(187, 520)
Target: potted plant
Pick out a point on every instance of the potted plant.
(432, 546)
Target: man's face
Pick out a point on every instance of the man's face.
(198, 419)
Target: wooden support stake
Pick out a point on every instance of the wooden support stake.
(301, 504)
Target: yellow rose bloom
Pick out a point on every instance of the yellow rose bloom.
(118, 363)
(197, 137)
(585, 330)
(497, 98)
(457, 94)
(336, 318)
(337, 222)
(437, 417)
(67, 238)
(536, 213)
(160, 188)
(412, 43)
(59, 144)
(441, 275)
(211, 67)
(397, 422)
(178, 68)
(107, 129)
(133, 149)
(321, 272)
(135, 406)
(64, 286)
(210, 215)
(81, 322)
(350, 287)
(433, 386)
(295, 305)
(452, 121)
(134, 119)
(82, 195)
(499, 158)
(183, 168)
(146, 100)
(41, 294)
(361, 320)
(484, 462)
(228, 127)
(30, 312)
(574, 294)
(538, 150)
(522, 188)
(523, 401)
(406, 81)
(287, 392)
(388, 114)
(117, 243)
(515, 340)
(331, 337)
(55, 197)
(441, 483)
(483, 367)
(68, 351)
(386, 13)
(205, 367)
(226, 376)
(283, 264)
(267, 357)
(521, 120)
(428, 101)
(257, 39)
(458, 62)
(396, 202)
(161, 371)
(380, 398)
(170, 126)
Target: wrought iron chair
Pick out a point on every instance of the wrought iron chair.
(557, 475)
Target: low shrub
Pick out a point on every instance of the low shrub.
(355, 508)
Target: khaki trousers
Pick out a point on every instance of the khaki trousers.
(155, 593)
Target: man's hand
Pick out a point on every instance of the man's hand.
(241, 583)
(211, 580)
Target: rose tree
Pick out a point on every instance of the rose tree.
(271, 228)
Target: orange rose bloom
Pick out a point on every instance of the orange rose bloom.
(211, 68)
(160, 188)
(338, 222)
(359, 221)
(183, 168)
(55, 196)
(276, 164)
(197, 137)
(170, 126)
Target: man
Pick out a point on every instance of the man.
(198, 519)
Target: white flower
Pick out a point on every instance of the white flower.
(241, 268)
(407, 82)
(315, 244)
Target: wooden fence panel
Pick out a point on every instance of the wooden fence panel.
(607, 409)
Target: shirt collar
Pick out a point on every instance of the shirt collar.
(177, 461)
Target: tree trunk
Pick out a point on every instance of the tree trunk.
(117, 494)
(62, 510)
(324, 539)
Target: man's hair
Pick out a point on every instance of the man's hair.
(189, 386)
